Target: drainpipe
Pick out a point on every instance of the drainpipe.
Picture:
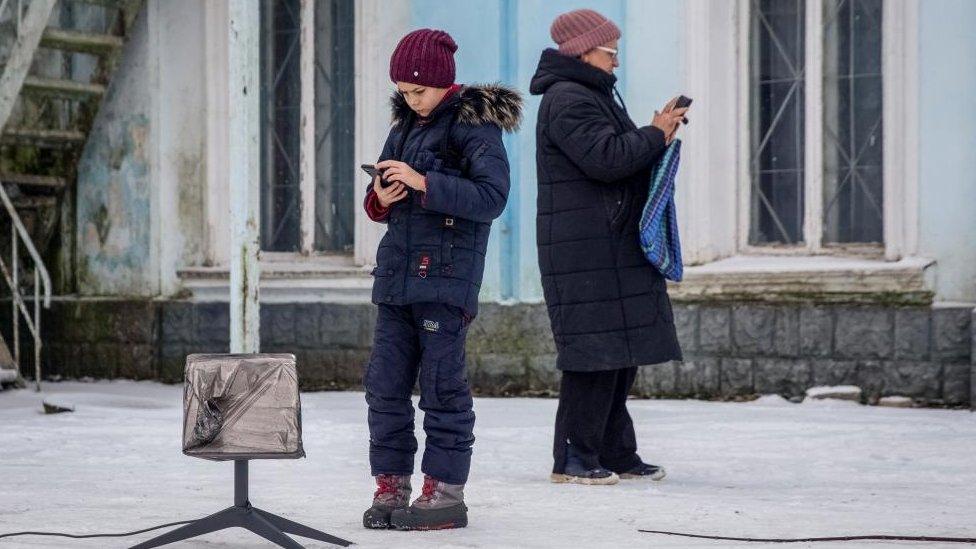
(244, 112)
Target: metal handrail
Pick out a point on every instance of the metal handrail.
(30, 24)
(29, 244)
(11, 276)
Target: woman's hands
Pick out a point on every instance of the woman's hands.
(400, 172)
(388, 196)
(669, 120)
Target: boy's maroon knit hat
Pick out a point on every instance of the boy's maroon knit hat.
(579, 31)
(424, 57)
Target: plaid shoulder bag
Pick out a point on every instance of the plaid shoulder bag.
(659, 222)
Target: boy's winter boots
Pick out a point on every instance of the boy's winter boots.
(392, 493)
(440, 506)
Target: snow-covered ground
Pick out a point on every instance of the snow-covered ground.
(767, 468)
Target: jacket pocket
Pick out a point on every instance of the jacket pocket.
(446, 167)
(424, 262)
(445, 385)
(382, 271)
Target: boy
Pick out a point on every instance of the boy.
(444, 178)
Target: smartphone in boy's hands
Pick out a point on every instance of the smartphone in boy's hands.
(373, 172)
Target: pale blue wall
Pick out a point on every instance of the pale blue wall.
(947, 155)
(501, 40)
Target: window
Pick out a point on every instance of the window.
(852, 145)
(777, 109)
(829, 191)
(331, 99)
(280, 120)
(335, 110)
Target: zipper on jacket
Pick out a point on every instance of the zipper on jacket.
(406, 248)
(406, 222)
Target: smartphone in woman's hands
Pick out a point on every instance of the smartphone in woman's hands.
(682, 103)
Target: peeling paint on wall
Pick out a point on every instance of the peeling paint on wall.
(114, 192)
(113, 209)
(192, 207)
(142, 182)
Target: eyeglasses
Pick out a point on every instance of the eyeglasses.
(613, 53)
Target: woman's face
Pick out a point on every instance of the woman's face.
(601, 58)
(422, 99)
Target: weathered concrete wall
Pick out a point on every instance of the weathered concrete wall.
(114, 239)
(141, 190)
(180, 179)
(731, 351)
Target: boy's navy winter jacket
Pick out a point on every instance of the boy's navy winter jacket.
(435, 243)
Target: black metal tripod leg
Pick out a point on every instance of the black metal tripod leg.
(228, 518)
(292, 527)
(262, 527)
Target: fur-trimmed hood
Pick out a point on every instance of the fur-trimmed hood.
(476, 105)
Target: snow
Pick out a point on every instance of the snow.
(896, 401)
(766, 468)
(800, 263)
(846, 392)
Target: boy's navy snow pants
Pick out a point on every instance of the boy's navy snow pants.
(425, 339)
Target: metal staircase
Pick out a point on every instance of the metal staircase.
(56, 59)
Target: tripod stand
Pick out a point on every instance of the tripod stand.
(241, 515)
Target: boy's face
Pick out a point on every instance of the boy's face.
(422, 99)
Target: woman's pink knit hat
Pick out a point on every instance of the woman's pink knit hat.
(579, 31)
(424, 57)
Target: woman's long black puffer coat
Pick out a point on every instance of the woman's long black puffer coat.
(608, 306)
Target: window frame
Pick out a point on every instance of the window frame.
(899, 134)
(378, 26)
(307, 160)
(275, 141)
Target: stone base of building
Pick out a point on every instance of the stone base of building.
(732, 350)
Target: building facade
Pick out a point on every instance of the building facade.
(826, 195)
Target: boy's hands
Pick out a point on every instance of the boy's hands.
(388, 196)
(396, 171)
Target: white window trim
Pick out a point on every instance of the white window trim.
(707, 183)
(901, 127)
(378, 25)
(710, 25)
(306, 154)
(218, 137)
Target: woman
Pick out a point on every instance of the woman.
(445, 177)
(608, 307)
